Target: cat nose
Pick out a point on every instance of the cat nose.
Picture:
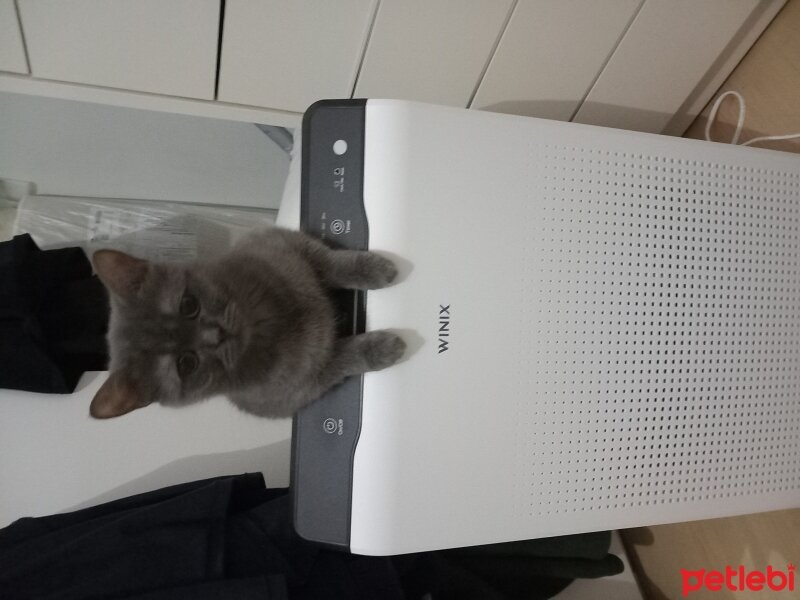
(212, 335)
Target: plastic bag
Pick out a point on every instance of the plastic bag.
(160, 231)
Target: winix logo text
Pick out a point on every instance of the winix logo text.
(444, 328)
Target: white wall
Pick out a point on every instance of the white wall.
(53, 456)
(73, 148)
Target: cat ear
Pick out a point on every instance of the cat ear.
(120, 273)
(117, 396)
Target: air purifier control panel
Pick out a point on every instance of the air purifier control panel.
(332, 206)
(325, 433)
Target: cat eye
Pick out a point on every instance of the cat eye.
(189, 306)
(187, 364)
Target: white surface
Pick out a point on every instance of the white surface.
(147, 45)
(287, 55)
(18, 84)
(54, 457)
(80, 149)
(668, 50)
(430, 50)
(12, 52)
(550, 54)
(622, 586)
(624, 339)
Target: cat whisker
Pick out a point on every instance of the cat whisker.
(226, 356)
(229, 317)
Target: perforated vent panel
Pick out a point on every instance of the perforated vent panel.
(665, 358)
(621, 344)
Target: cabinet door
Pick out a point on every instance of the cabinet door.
(12, 52)
(146, 45)
(430, 50)
(669, 49)
(550, 54)
(288, 54)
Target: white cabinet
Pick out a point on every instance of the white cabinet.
(670, 48)
(550, 54)
(649, 65)
(431, 50)
(12, 52)
(287, 55)
(147, 45)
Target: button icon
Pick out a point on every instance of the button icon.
(331, 426)
(339, 147)
(337, 226)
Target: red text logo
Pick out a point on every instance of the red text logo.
(738, 580)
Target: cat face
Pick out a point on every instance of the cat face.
(176, 334)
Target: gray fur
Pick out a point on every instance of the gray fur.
(264, 335)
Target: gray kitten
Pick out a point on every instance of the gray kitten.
(256, 325)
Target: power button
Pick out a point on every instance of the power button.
(331, 426)
(339, 147)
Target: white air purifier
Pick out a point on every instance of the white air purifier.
(603, 329)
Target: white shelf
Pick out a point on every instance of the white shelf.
(20, 84)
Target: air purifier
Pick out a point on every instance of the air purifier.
(603, 329)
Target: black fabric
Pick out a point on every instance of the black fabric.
(167, 544)
(53, 317)
(529, 569)
(230, 537)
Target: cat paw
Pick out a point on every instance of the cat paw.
(377, 271)
(382, 349)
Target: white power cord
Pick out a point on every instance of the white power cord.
(740, 122)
